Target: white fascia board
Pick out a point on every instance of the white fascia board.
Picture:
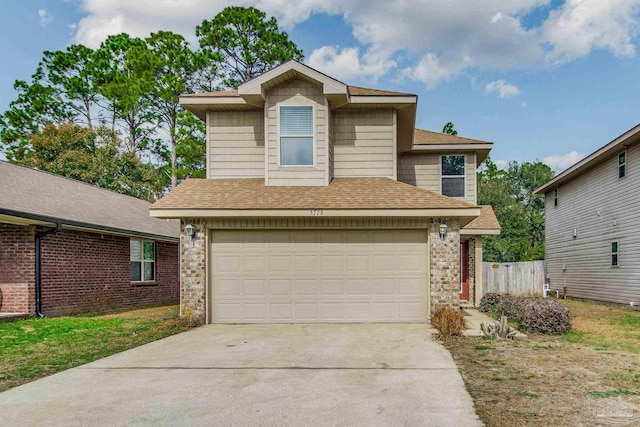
(315, 213)
(374, 99)
(205, 100)
(330, 86)
(480, 232)
(457, 147)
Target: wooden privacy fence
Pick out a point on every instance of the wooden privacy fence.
(516, 278)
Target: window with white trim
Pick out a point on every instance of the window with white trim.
(143, 260)
(296, 135)
(452, 176)
(622, 164)
(615, 250)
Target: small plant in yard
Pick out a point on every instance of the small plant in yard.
(499, 329)
(449, 322)
(545, 316)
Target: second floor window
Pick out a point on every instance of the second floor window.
(453, 176)
(622, 164)
(296, 135)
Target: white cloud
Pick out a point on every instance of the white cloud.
(45, 17)
(501, 164)
(346, 64)
(580, 26)
(437, 40)
(562, 162)
(502, 88)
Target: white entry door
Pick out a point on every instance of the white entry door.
(307, 276)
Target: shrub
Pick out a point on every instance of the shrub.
(449, 322)
(489, 302)
(546, 316)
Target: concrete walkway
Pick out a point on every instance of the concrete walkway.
(271, 375)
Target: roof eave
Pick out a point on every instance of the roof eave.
(632, 136)
(28, 218)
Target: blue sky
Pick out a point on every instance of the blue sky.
(546, 80)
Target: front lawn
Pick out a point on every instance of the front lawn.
(589, 376)
(34, 348)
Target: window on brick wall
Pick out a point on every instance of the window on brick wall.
(143, 260)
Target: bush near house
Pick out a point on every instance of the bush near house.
(545, 316)
(449, 322)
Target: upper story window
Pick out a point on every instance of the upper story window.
(615, 251)
(453, 176)
(143, 260)
(296, 135)
(555, 197)
(622, 164)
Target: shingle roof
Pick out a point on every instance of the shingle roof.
(34, 193)
(426, 137)
(353, 90)
(486, 221)
(342, 193)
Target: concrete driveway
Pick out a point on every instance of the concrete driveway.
(271, 375)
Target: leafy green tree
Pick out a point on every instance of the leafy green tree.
(519, 211)
(245, 43)
(449, 129)
(125, 83)
(94, 156)
(191, 146)
(175, 67)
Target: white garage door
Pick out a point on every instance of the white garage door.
(318, 276)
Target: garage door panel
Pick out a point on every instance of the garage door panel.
(318, 276)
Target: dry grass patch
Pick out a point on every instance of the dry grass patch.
(590, 376)
(34, 348)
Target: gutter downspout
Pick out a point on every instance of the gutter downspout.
(39, 236)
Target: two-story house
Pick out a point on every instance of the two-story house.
(323, 203)
(592, 224)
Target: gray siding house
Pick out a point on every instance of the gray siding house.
(592, 225)
(323, 203)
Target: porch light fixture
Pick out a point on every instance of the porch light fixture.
(443, 230)
(190, 230)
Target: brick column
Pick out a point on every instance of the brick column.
(444, 268)
(193, 271)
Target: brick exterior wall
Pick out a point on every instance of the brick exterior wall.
(84, 271)
(444, 265)
(17, 271)
(193, 271)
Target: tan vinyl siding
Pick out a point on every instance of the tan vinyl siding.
(423, 170)
(363, 143)
(297, 92)
(331, 142)
(236, 144)
(601, 208)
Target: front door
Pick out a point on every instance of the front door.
(464, 271)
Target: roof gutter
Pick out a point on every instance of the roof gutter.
(39, 236)
(86, 226)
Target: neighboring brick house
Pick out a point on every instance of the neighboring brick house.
(97, 249)
(322, 203)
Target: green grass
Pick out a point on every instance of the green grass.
(33, 348)
(611, 393)
(527, 394)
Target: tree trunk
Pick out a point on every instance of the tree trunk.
(174, 161)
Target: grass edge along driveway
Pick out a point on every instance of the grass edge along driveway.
(35, 348)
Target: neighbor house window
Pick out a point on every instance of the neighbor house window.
(296, 135)
(622, 164)
(453, 176)
(555, 197)
(143, 260)
(615, 247)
